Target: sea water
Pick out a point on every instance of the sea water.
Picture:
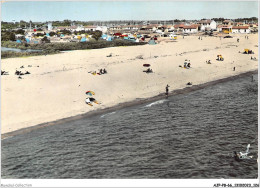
(190, 135)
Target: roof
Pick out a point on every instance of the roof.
(149, 27)
(190, 27)
(240, 27)
(90, 26)
(224, 26)
(227, 21)
(179, 26)
(205, 21)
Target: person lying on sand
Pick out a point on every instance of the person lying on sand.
(148, 70)
(4, 72)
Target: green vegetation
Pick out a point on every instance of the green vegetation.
(10, 54)
(97, 34)
(52, 48)
(7, 36)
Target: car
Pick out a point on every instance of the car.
(228, 36)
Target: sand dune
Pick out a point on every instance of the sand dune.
(57, 84)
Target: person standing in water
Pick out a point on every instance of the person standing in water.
(167, 90)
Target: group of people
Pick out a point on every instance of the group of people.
(200, 38)
(187, 65)
(20, 73)
(102, 71)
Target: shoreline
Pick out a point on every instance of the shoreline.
(119, 106)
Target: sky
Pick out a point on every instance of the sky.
(41, 11)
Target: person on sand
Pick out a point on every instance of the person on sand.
(167, 90)
(234, 68)
(237, 40)
(104, 71)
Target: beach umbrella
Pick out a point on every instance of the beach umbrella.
(90, 93)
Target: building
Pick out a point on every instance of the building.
(90, 28)
(228, 22)
(190, 29)
(240, 29)
(49, 26)
(207, 25)
(224, 28)
(178, 27)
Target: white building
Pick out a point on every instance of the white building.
(208, 25)
(240, 29)
(102, 28)
(190, 29)
(50, 26)
(90, 28)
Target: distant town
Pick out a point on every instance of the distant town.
(78, 31)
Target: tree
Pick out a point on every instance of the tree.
(52, 33)
(20, 31)
(97, 34)
(45, 40)
(6, 36)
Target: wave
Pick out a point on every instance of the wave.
(107, 114)
(155, 103)
(6, 138)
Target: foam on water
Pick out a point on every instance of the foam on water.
(108, 114)
(156, 103)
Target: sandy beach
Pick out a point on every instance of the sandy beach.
(56, 87)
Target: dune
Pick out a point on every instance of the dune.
(56, 87)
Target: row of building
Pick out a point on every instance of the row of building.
(227, 26)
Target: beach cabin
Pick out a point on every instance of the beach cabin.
(240, 29)
(190, 29)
